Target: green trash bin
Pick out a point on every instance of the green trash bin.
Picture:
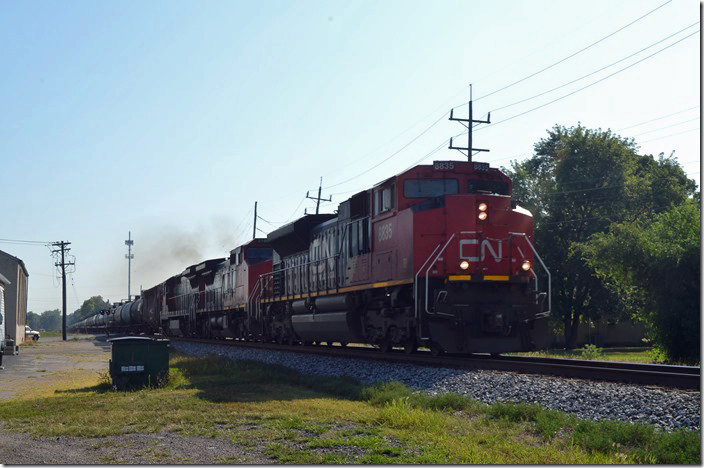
(139, 361)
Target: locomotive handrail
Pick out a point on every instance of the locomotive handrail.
(530, 244)
(430, 266)
(307, 266)
(415, 280)
(415, 292)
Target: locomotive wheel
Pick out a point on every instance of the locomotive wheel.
(385, 346)
(410, 347)
(436, 349)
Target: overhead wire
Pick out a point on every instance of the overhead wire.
(516, 82)
(671, 135)
(24, 242)
(392, 155)
(657, 118)
(574, 54)
(662, 128)
(596, 71)
(589, 85)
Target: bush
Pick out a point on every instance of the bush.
(590, 351)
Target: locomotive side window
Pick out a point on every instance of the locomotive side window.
(384, 199)
(488, 186)
(258, 254)
(358, 237)
(426, 188)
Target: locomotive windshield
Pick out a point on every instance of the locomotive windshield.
(258, 254)
(426, 188)
(488, 186)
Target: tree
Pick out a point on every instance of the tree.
(33, 320)
(90, 307)
(655, 267)
(50, 320)
(578, 183)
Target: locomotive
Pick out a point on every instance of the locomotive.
(438, 256)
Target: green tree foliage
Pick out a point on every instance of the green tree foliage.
(578, 183)
(33, 320)
(50, 320)
(655, 267)
(90, 307)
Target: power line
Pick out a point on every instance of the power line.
(662, 128)
(657, 118)
(596, 71)
(671, 135)
(574, 54)
(23, 242)
(589, 85)
(394, 154)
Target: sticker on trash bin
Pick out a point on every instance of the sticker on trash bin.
(132, 368)
(140, 368)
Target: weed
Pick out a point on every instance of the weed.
(401, 414)
(385, 393)
(590, 352)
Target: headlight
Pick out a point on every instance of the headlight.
(482, 215)
(526, 265)
(482, 206)
(464, 264)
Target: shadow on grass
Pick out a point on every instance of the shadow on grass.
(222, 380)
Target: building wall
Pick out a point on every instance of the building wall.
(15, 295)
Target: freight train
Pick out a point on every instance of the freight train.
(438, 256)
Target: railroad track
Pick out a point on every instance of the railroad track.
(683, 377)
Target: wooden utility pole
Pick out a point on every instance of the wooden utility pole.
(469, 123)
(254, 231)
(318, 199)
(63, 249)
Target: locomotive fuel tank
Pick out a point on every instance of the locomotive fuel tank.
(334, 318)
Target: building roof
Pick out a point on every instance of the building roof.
(20, 262)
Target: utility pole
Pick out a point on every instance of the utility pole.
(63, 249)
(320, 188)
(129, 243)
(469, 123)
(254, 231)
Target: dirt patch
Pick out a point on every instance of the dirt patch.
(139, 449)
(46, 365)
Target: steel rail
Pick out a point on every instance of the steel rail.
(682, 377)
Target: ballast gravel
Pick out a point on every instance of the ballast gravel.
(667, 409)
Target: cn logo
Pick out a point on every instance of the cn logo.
(485, 245)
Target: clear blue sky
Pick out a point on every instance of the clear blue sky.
(169, 119)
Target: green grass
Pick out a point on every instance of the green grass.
(635, 355)
(298, 419)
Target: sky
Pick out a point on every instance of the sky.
(168, 120)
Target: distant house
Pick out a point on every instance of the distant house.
(4, 283)
(13, 269)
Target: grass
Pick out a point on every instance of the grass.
(299, 419)
(635, 355)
